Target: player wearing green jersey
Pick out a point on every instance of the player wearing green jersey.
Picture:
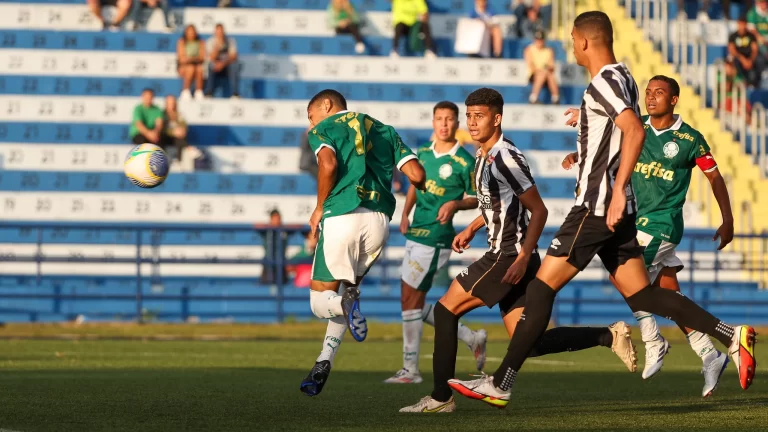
(356, 156)
(450, 188)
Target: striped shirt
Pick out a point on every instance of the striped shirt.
(611, 91)
(501, 177)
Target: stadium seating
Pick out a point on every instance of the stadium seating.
(67, 91)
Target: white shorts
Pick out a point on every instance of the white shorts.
(658, 254)
(349, 244)
(420, 264)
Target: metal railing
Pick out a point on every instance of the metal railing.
(563, 15)
(281, 292)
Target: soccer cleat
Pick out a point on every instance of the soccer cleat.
(350, 304)
(429, 405)
(713, 369)
(742, 351)
(622, 344)
(482, 389)
(314, 382)
(478, 348)
(404, 376)
(654, 357)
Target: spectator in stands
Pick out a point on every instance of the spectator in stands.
(732, 78)
(531, 24)
(175, 128)
(410, 18)
(138, 5)
(343, 18)
(743, 49)
(274, 246)
(757, 22)
(702, 7)
(485, 13)
(190, 52)
(123, 7)
(540, 60)
(223, 62)
(300, 264)
(147, 123)
(307, 158)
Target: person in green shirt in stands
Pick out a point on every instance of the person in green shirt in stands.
(343, 18)
(757, 22)
(147, 122)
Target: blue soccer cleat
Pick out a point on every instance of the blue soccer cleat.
(318, 376)
(350, 304)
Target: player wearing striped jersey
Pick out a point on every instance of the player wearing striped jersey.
(356, 156)
(450, 188)
(602, 221)
(514, 215)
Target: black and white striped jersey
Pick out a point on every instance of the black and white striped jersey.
(501, 176)
(611, 91)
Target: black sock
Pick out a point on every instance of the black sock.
(675, 306)
(566, 339)
(539, 299)
(444, 355)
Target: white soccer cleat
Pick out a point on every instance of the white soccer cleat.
(654, 357)
(482, 389)
(742, 351)
(622, 344)
(429, 405)
(713, 369)
(478, 348)
(404, 376)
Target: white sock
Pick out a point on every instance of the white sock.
(465, 334)
(412, 326)
(325, 304)
(333, 336)
(648, 328)
(701, 344)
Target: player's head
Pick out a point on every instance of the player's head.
(741, 25)
(445, 121)
(592, 34)
(485, 107)
(325, 104)
(661, 96)
(147, 95)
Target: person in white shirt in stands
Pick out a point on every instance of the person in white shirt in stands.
(223, 63)
(485, 13)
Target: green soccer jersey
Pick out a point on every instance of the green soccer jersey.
(662, 176)
(760, 22)
(449, 177)
(367, 152)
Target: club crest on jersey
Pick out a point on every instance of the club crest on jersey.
(445, 171)
(490, 160)
(671, 149)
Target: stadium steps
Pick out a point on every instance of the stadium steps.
(745, 180)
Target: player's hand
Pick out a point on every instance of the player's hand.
(616, 209)
(573, 120)
(570, 160)
(314, 221)
(516, 271)
(153, 136)
(725, 233)
(404, 224)
(462, 239)
(446, 212)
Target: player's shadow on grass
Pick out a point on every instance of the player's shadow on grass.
(261, 399)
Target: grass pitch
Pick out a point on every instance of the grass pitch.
(252, 385)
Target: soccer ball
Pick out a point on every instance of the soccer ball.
(146, 166)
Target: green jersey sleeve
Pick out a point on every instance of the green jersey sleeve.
(469, 178)
(701, 155)
(318, 140)
(402, 152)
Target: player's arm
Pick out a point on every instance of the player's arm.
(326, 179)
(447, 210)
(415, 173)
(410, 201)
(462, 239)
(531, 200)
(708, 166)
(631, 146)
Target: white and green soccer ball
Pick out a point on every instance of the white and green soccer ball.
(146, 166)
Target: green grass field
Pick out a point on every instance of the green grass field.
(252, 385)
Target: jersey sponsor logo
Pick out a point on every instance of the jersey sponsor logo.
(671, 149)
(445, 171)
(367, 195)
(685, 136)
(419, 232)
(434, 189)
(654, 169)
(415, 265)
(702, 150)
(459, 160)
(484, 201)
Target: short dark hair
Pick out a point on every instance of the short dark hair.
(674, 87)
(742, 18)
(487, 97)
(274, 212)
(335, 97)
(446, 105)
(597, 23)
(147, 89)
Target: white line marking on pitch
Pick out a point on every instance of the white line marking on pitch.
(499, 359)
(7, 430)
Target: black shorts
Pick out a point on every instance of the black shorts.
(483, 277)
(583, 235)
